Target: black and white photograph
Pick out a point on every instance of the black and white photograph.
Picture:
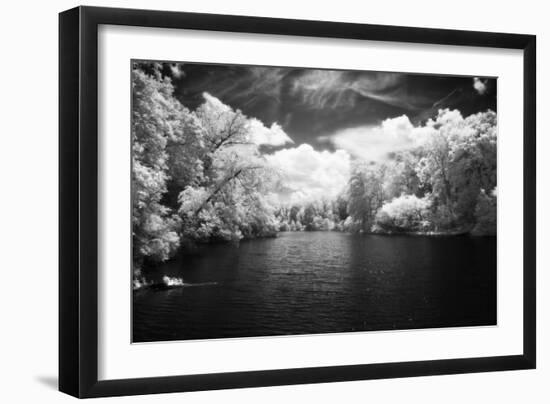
(272, 201)
(269, 202)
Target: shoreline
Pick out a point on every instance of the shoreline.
(453, 233)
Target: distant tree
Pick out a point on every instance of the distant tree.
(308, 219)
(401, 175)
(403, 214)
(341, 206)
(366, 194)
(434, 165)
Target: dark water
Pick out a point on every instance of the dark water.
(319, 282)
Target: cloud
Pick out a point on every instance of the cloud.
(480, 85)
(242, 85)
(393, 135)
(310, 175)
(321, 89)
(377, 143)
(176, 69)
(272, 136)
(261, 83)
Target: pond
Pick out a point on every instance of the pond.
(321, 282)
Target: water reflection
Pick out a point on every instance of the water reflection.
(302, 283)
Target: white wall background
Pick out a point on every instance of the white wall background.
(28, 202)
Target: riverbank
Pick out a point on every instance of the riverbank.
(434, 233)
(381, 232)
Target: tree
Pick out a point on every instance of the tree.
(486, 213)
(366, 194)
(308, 217)
(434, 165)
(451, 159)
(154, 228)
(341, 206)
(458, 159)
(401, 175)
(473, 158)
(228, 202)
(185, 149)
(403, 214)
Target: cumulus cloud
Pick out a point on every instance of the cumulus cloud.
(393, 135)
(309, 174)
(480, 85)
(272, 136)
(375, 143)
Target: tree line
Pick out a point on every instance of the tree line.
(198, 177)
(445, 184)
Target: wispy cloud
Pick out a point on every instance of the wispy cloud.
(444, 99)
(249, 85)
(321, 89)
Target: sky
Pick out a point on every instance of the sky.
(311, 123)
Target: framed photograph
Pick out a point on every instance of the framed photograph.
(252, 201)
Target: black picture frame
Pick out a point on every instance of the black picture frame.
(78, 201)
